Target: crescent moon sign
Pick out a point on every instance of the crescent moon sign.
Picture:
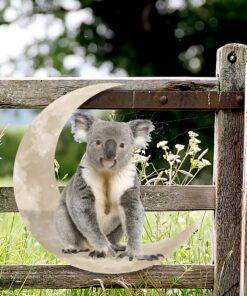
(37, 194)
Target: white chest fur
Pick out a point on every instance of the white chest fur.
(108, 189)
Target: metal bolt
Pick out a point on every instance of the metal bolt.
(163, 99)
(232, 57)
(240, 99)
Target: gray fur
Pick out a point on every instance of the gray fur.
(102, 199)
(133, 215)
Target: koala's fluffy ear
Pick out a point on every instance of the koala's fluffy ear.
(80, 125)
(141, 130)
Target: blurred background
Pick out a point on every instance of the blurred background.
(105, 38)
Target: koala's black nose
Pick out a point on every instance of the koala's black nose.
(110, 149)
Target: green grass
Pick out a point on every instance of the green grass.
(17, 246)
(7, 181)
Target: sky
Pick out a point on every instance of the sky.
(15, 118)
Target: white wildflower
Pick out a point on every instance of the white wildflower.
(192, 134)
(163, 145)
(205, 162)
(194, 149)
(139, 158)
(200, 164)
(195, 163)
(194, 141)
(171, 158)
(179, 147)
(136, 150)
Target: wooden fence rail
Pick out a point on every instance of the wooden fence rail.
(67, 277)
(167, 198)
(145, 94)
(225, 96)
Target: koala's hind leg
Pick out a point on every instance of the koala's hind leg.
(70, 238)
(134, 218)
(114, 237)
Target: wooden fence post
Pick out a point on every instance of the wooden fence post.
(243, 274)
(230, 69)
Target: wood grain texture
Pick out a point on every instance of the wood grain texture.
(243, 269)
(65, 277)
(154, 198)
(36, 93)
(228, 175)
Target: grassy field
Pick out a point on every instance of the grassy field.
(17, 246)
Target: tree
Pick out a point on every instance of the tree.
(145, 37)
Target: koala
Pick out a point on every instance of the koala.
(102, 200)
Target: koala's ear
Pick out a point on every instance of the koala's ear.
(80, 125)
(141, 130)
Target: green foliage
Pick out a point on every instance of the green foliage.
(68, 152)
(8, 150)
(1, 137)
(145, 38)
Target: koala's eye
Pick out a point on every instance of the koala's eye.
(98, 142)
(122, 145)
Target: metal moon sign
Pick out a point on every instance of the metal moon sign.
(37, 194)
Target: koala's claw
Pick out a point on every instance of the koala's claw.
(97, 254)
(150, 257)
(73, 250)
(126, 254)
(140, 257)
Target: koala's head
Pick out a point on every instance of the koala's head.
(110, 144)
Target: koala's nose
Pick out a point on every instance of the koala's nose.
(110, 149)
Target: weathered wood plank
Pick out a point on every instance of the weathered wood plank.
(65, 277)
(228, 173)
(178, 198)
(243, 270)
(154, 198)
(31, 93)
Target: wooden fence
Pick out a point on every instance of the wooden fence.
(223, 95)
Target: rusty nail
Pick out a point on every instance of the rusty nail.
(163, 99)
(239, 99)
